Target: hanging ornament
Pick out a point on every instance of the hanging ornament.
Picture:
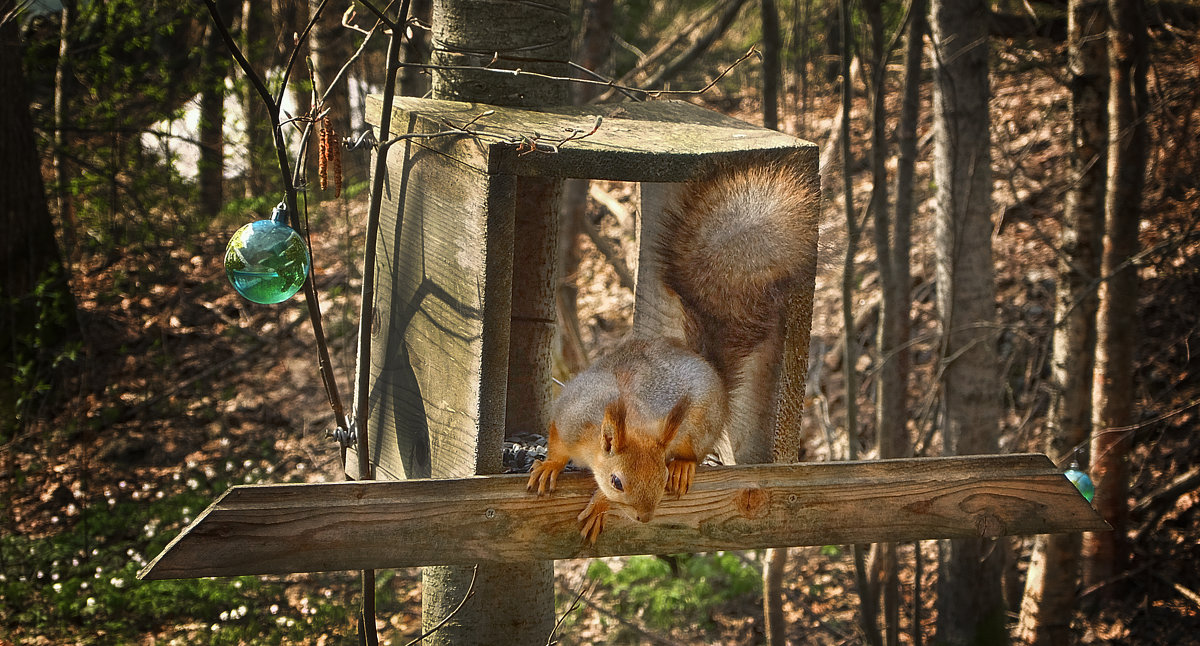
(267, 261)
(1081, 480)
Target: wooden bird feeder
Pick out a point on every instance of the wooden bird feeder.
(439, 379)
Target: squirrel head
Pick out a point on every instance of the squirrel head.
(632, 471)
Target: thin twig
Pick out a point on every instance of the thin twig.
(654, 94)
(381, 15)
(574, 604)
(304, 137)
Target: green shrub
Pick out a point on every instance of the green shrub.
(647, 587)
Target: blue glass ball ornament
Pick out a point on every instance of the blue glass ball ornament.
(267, 261)
(1081, 480)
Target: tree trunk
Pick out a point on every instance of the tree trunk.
(895, 321)
(891, 415)
(774, 621)
(969, 601)
(260, 151)
(513, 603)
(332, 47)
(771, 63)
(211, 166)
(415, 81)
(64, 88)
(1107, 553)
(800, 41)
(39, 312)
(1048, 604)
(867, 609)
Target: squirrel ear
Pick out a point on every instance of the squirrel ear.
(612, 430)
(674, 420)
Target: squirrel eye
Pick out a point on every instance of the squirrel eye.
(616, 483)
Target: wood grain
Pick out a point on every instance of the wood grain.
(649, 141)
(440, 336)
(275, 529)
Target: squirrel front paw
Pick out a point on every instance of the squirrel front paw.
(679, 475)
(544, 476)
(591, 519)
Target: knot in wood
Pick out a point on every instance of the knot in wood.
(752, 503)
(989, 525)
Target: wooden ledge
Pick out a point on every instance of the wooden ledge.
(277, 529)
(640, 141)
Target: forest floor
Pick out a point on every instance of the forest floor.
(185, 389)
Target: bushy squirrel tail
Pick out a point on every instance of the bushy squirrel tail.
(734, 242)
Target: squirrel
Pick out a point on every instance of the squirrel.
(733, 243)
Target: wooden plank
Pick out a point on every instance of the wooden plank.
(439, 359)
(276, 529)
(649, 141)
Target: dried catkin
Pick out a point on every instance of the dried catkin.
(323, 153)
(330, 157)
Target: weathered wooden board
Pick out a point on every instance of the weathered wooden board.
(275, 529)
(439, 359)
(650, 141)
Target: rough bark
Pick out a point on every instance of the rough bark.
(771, 51)
(513, 603)
(1107, 553)
(1048, 604)
(333, 45)
(895, 321)
(39, 311)
(211, 167)
(260, 152)
(970, 605)
(867, 606)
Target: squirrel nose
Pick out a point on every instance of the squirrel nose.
(645, 516)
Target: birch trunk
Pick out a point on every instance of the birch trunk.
(1048, 604)
(1107, 553)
